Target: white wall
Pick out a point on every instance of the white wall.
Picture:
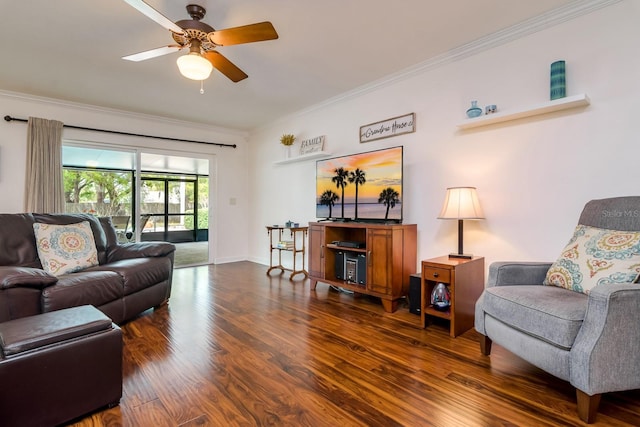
(229, 165)
(533, 175)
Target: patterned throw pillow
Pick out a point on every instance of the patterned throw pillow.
(65, 248)
(595, 256)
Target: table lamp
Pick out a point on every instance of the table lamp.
(461, 203)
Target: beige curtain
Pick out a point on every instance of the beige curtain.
(44, 186)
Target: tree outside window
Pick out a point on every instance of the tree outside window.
(99, 192)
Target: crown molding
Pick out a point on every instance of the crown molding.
(122, 113)
(568, 12)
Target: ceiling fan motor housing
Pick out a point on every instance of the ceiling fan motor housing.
(194, 30)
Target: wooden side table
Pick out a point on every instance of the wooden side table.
(464, 279)
(296, 246)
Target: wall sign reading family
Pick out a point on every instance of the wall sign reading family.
(388, 128)
(312, 145)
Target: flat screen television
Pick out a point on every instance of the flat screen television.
(363, 187)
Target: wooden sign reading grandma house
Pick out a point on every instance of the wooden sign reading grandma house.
(388, 128)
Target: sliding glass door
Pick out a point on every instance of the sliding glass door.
(149, 196)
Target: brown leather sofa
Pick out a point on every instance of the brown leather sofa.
(129, 279)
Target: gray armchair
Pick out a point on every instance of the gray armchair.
(592, 341)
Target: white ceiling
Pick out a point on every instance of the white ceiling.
(72, 49)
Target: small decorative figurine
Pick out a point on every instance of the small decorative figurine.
(440, 297)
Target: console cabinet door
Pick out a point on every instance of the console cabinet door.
(316, 251)
(379, 260)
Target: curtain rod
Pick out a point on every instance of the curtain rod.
(10, 119)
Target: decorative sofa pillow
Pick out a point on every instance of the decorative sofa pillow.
(65, 248)
(595, 256)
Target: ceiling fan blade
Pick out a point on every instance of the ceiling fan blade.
(153, 53)
(244, 34)
(225, 66)
(153, 14)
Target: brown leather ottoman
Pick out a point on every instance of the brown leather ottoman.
(58, 366)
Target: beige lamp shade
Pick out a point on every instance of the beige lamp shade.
(461, 203)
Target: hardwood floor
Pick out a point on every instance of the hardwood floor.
(236, 347)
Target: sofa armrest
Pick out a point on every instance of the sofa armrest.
(140, 250)
(508, 273)
(25, 277)
(606, 354)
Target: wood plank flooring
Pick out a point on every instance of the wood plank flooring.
(235, 347)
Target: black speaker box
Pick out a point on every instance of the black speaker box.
(362, 269)
(414, 293)
(339, 265)
(339, 270)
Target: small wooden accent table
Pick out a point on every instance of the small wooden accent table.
(290, 246)
(464, 279)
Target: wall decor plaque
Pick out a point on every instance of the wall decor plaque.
(388, 128)
(312, 145)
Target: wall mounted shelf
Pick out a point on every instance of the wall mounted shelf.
(304, 157)
(566, 103)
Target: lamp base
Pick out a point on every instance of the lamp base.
(463, 256)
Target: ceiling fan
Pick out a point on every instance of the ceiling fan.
(202, 40)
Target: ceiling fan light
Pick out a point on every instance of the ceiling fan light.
(194, 67)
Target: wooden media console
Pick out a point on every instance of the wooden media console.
(371, 259)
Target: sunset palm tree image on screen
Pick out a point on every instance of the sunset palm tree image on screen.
(367, 186)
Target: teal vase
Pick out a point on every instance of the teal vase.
(558, 80)
(474, 111)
